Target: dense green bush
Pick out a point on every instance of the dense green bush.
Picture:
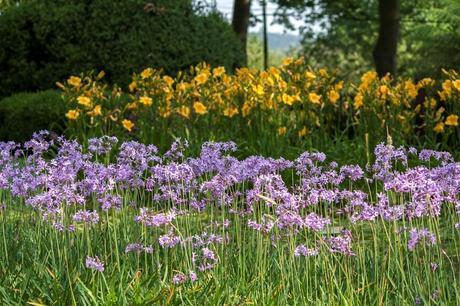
(25, 113)
(44, 41)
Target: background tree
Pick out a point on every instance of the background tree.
(240, 20)
(385, 49)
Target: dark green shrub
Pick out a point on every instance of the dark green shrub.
(45, 41)
(25, 113)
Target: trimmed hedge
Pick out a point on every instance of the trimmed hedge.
(25, 113)
(44, 41)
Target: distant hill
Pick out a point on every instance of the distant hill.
(279, 41)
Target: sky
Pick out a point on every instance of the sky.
(226, 7)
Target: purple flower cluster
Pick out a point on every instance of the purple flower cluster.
(418, 236)
(94, 263)
(171, 186)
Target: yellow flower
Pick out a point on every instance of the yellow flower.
(218, 71)
(358, 101)
(368, 77)
(452, 120)
(147, 101)
(456, 84)
(447, 86)
(85, 101)
(411, 89)
(72, 114)
(182, 86)
(439, 127)
(184, 111)
(258, 89)
(169, 80)
(303, 132)
(132, 86)
(230, 111)
(287, 99)
(333, 96)
(282, 131)
(310, 75)
(128, 124)
(426, 82)
(383, 92)
(199, 108)
(97, 111)
(314, 98)
(74, 81)
(146, 73)
(201, 78)
(287, 61)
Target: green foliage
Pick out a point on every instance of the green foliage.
(342, 34)
(25, 113)
(42, 42)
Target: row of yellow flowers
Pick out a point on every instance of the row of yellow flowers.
(291, 97)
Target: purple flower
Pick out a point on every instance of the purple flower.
(86, 216)
(341, 243)
(149, 218)
(102, 145)
(179, 278)
(302, 250)
(94, 263)
(420, 235)
(169, 240)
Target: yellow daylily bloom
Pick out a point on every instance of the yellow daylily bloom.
(201, 78)
(85, 101)
(439, 127)
(132, 86)
(333, 96)
(451, 120)
(97, 111)
(199, 108)
(287, 99)
(146, 73)
(218, 71)
(184, 111)
(72, 114)
(128, 124)
(147, 101)
(314, 98)
(74, 81)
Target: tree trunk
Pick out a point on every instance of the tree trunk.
(385, 49)
(240, 20)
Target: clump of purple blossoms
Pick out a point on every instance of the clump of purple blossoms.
(169, 240)
(341, 243)
(86, 216)
(302, 250)
(150, 218)
(94, 263)
(102, 145)
(420, 235)
(206, 259)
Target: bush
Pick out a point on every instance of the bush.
(42, 42)
(25, 113)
